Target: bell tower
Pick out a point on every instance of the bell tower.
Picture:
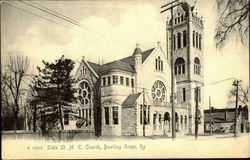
(188, 61)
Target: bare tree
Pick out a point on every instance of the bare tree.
(12, 77)
(243, 95)
(233, 18)
(6, 102)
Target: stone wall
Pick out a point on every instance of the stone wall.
(129, 119)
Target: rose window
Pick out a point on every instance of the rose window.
(158, 91)
(84, 93)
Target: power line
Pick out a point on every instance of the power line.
(23, 10)
(213, 83)
(47, 19)
(56, 15)
(204, 85)
(70, 20)
(52, 11)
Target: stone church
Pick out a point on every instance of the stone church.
(145, 78)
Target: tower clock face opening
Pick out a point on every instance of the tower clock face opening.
(158, 91)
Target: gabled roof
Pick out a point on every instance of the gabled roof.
(95, 67)
(130, 60)
(117, 65)
(131, 99)
(126, 64)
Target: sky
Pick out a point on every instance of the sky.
(111, 30)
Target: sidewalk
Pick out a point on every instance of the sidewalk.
(185, 146)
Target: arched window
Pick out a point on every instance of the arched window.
(178, 40)
(159, 64)
(156, 64)
(181, 122)
(167, 121)
(185, 122)
(84, 70)
(154, 119)
(184, 38)
(197, 66)
(183, 94)
(84, 93)
(179, 66)
(159, 118)
(194, 38)
(199, 41)
(174, 42)
(158, 91)
(166, 116)
(178, 19)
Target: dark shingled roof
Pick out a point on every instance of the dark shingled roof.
(126, 64)
(130, 60)
(137, 51)
(117, 65)
(95, 67)
(131, 99)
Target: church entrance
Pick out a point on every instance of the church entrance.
(166, 122)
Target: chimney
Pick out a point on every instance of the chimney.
(158, 43)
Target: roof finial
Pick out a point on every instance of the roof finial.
(195, 3)
(137, 45)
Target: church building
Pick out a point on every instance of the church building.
(137, 88)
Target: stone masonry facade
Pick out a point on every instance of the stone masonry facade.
(136, 90)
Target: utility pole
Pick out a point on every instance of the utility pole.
(172, 4)
(236, 83)
(196, 112)
(210, 115)
(143, 110)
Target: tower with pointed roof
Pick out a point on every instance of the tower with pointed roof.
(188, 60)
(137, 57)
